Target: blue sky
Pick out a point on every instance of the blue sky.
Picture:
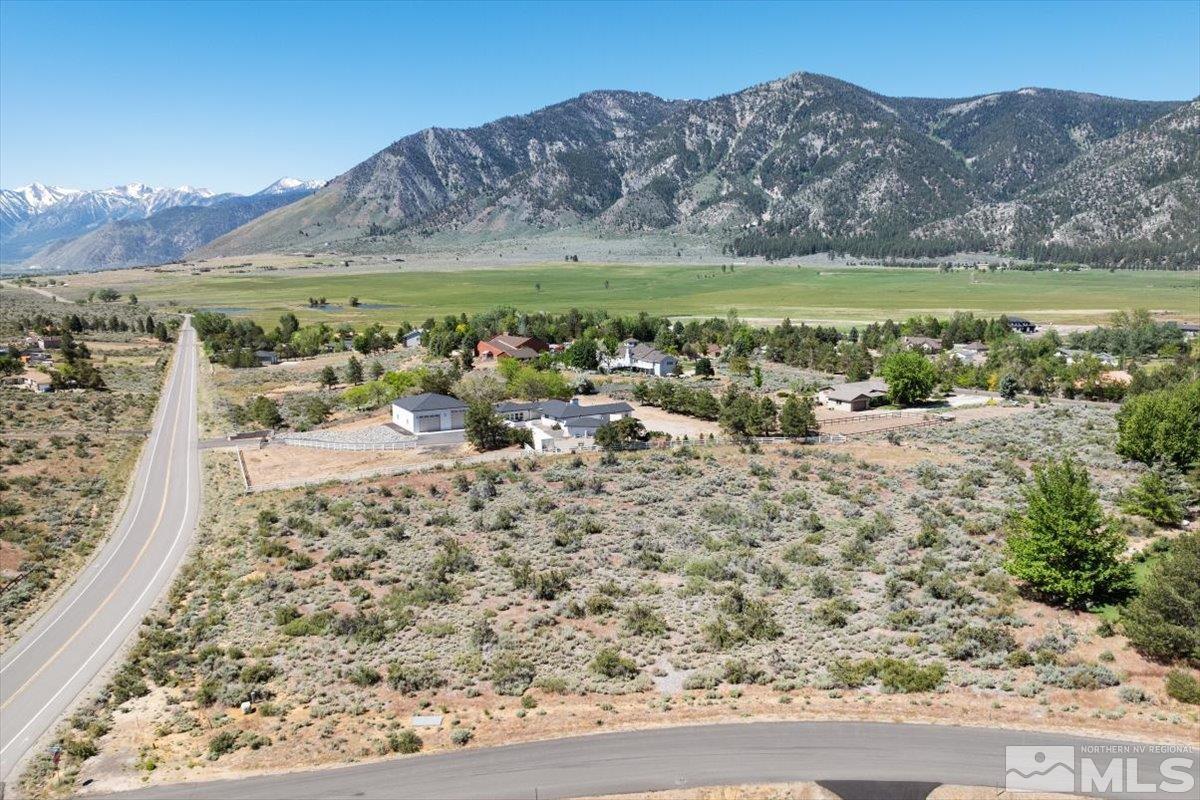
(233, 95)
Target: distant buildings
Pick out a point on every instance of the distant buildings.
(1020, 325)
(925, 344)
(1190, 330)
(412, 339)
(633, 355)
(973, 354)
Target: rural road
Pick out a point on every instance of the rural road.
(669, 758)
(43, 673)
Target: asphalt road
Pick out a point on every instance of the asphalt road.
(668, 758)
(43, 673)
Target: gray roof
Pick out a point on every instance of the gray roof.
(849, 391)
(557, 409)
(509, 406)
(586, 422)
(644, 352)
(430, 402)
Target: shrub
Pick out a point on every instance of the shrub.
(611, 664)
(408, 679)
(405, 742)
(897, 675)
(978, 640)
(641, 620)
(511, 675)
(224, 742)
(364, 676)
(461, 736)
(740, 619)
(1183, 687)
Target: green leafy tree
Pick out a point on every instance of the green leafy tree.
(621, 434)
(704, 367)
(797, 417)
(1062, 545)
(582, 354)
(1163, 621)
(264, 411)
(1162, 425)
(910, 377)
(1159, 496)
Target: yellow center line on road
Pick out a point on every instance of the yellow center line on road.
(137, 559)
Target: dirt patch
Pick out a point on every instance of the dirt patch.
(655, 419)
(284, 464)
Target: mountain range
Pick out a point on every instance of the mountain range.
(801, 164)
(797, 165)
(56, 227)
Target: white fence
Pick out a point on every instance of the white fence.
(334, 444)
(860, 417)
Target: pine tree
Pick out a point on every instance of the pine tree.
(797, 417)
(1163, 621)
(354, 371)
(328, 377)
(1159, 496)
(1062, 545)
(484, 429)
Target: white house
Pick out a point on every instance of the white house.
(856, 396)
(428, 413)
(412, 339)
(632, 354)
(559, 425)
(36, 381)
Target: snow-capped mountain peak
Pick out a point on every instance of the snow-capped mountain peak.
(38, 195)
(291, 185)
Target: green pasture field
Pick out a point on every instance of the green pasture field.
(853, 294)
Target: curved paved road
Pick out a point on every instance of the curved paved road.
(642, 761)
(43, 673)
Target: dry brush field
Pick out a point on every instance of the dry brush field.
(541, 597)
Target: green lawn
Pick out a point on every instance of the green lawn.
(846, 294)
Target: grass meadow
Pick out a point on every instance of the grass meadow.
(758, 291)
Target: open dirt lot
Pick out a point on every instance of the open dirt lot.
(655, 419)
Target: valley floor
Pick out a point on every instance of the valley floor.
(391, 291)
